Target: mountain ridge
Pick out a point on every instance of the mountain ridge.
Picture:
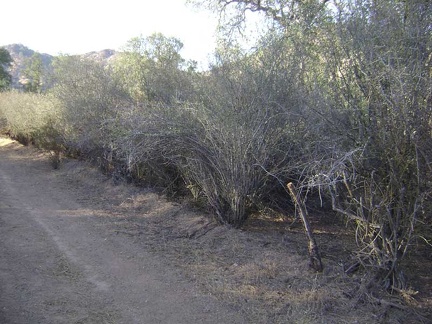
(21, 55)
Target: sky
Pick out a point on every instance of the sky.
(81, 26)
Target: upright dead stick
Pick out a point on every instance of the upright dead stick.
(315, 258)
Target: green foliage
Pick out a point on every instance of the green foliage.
(90, 97)
(26, 115)
(151, 69)
(163, 51)
(34, 74)
(5, 61)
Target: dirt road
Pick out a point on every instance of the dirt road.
(61, 262)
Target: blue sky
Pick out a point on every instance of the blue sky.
(80, 26)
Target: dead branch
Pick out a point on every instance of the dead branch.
(315, 258)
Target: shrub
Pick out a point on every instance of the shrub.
(25, 115)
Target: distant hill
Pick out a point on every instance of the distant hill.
(105, 56)
(21, 54)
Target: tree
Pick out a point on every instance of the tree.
(163, 51)
(151, 68)
(91, 98)
(34, 74)
(233, 13)
(5, 62)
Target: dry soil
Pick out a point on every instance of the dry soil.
(61, 261)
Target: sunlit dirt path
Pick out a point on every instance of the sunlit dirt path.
(61, 263)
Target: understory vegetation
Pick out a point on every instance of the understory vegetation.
(335, 97)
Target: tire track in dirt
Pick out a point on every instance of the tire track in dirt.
(60, 263)
(37, 215)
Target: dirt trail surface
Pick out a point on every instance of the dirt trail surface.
(79, 247)
(62, 259)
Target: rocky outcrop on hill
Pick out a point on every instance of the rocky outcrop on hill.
(21, 56)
